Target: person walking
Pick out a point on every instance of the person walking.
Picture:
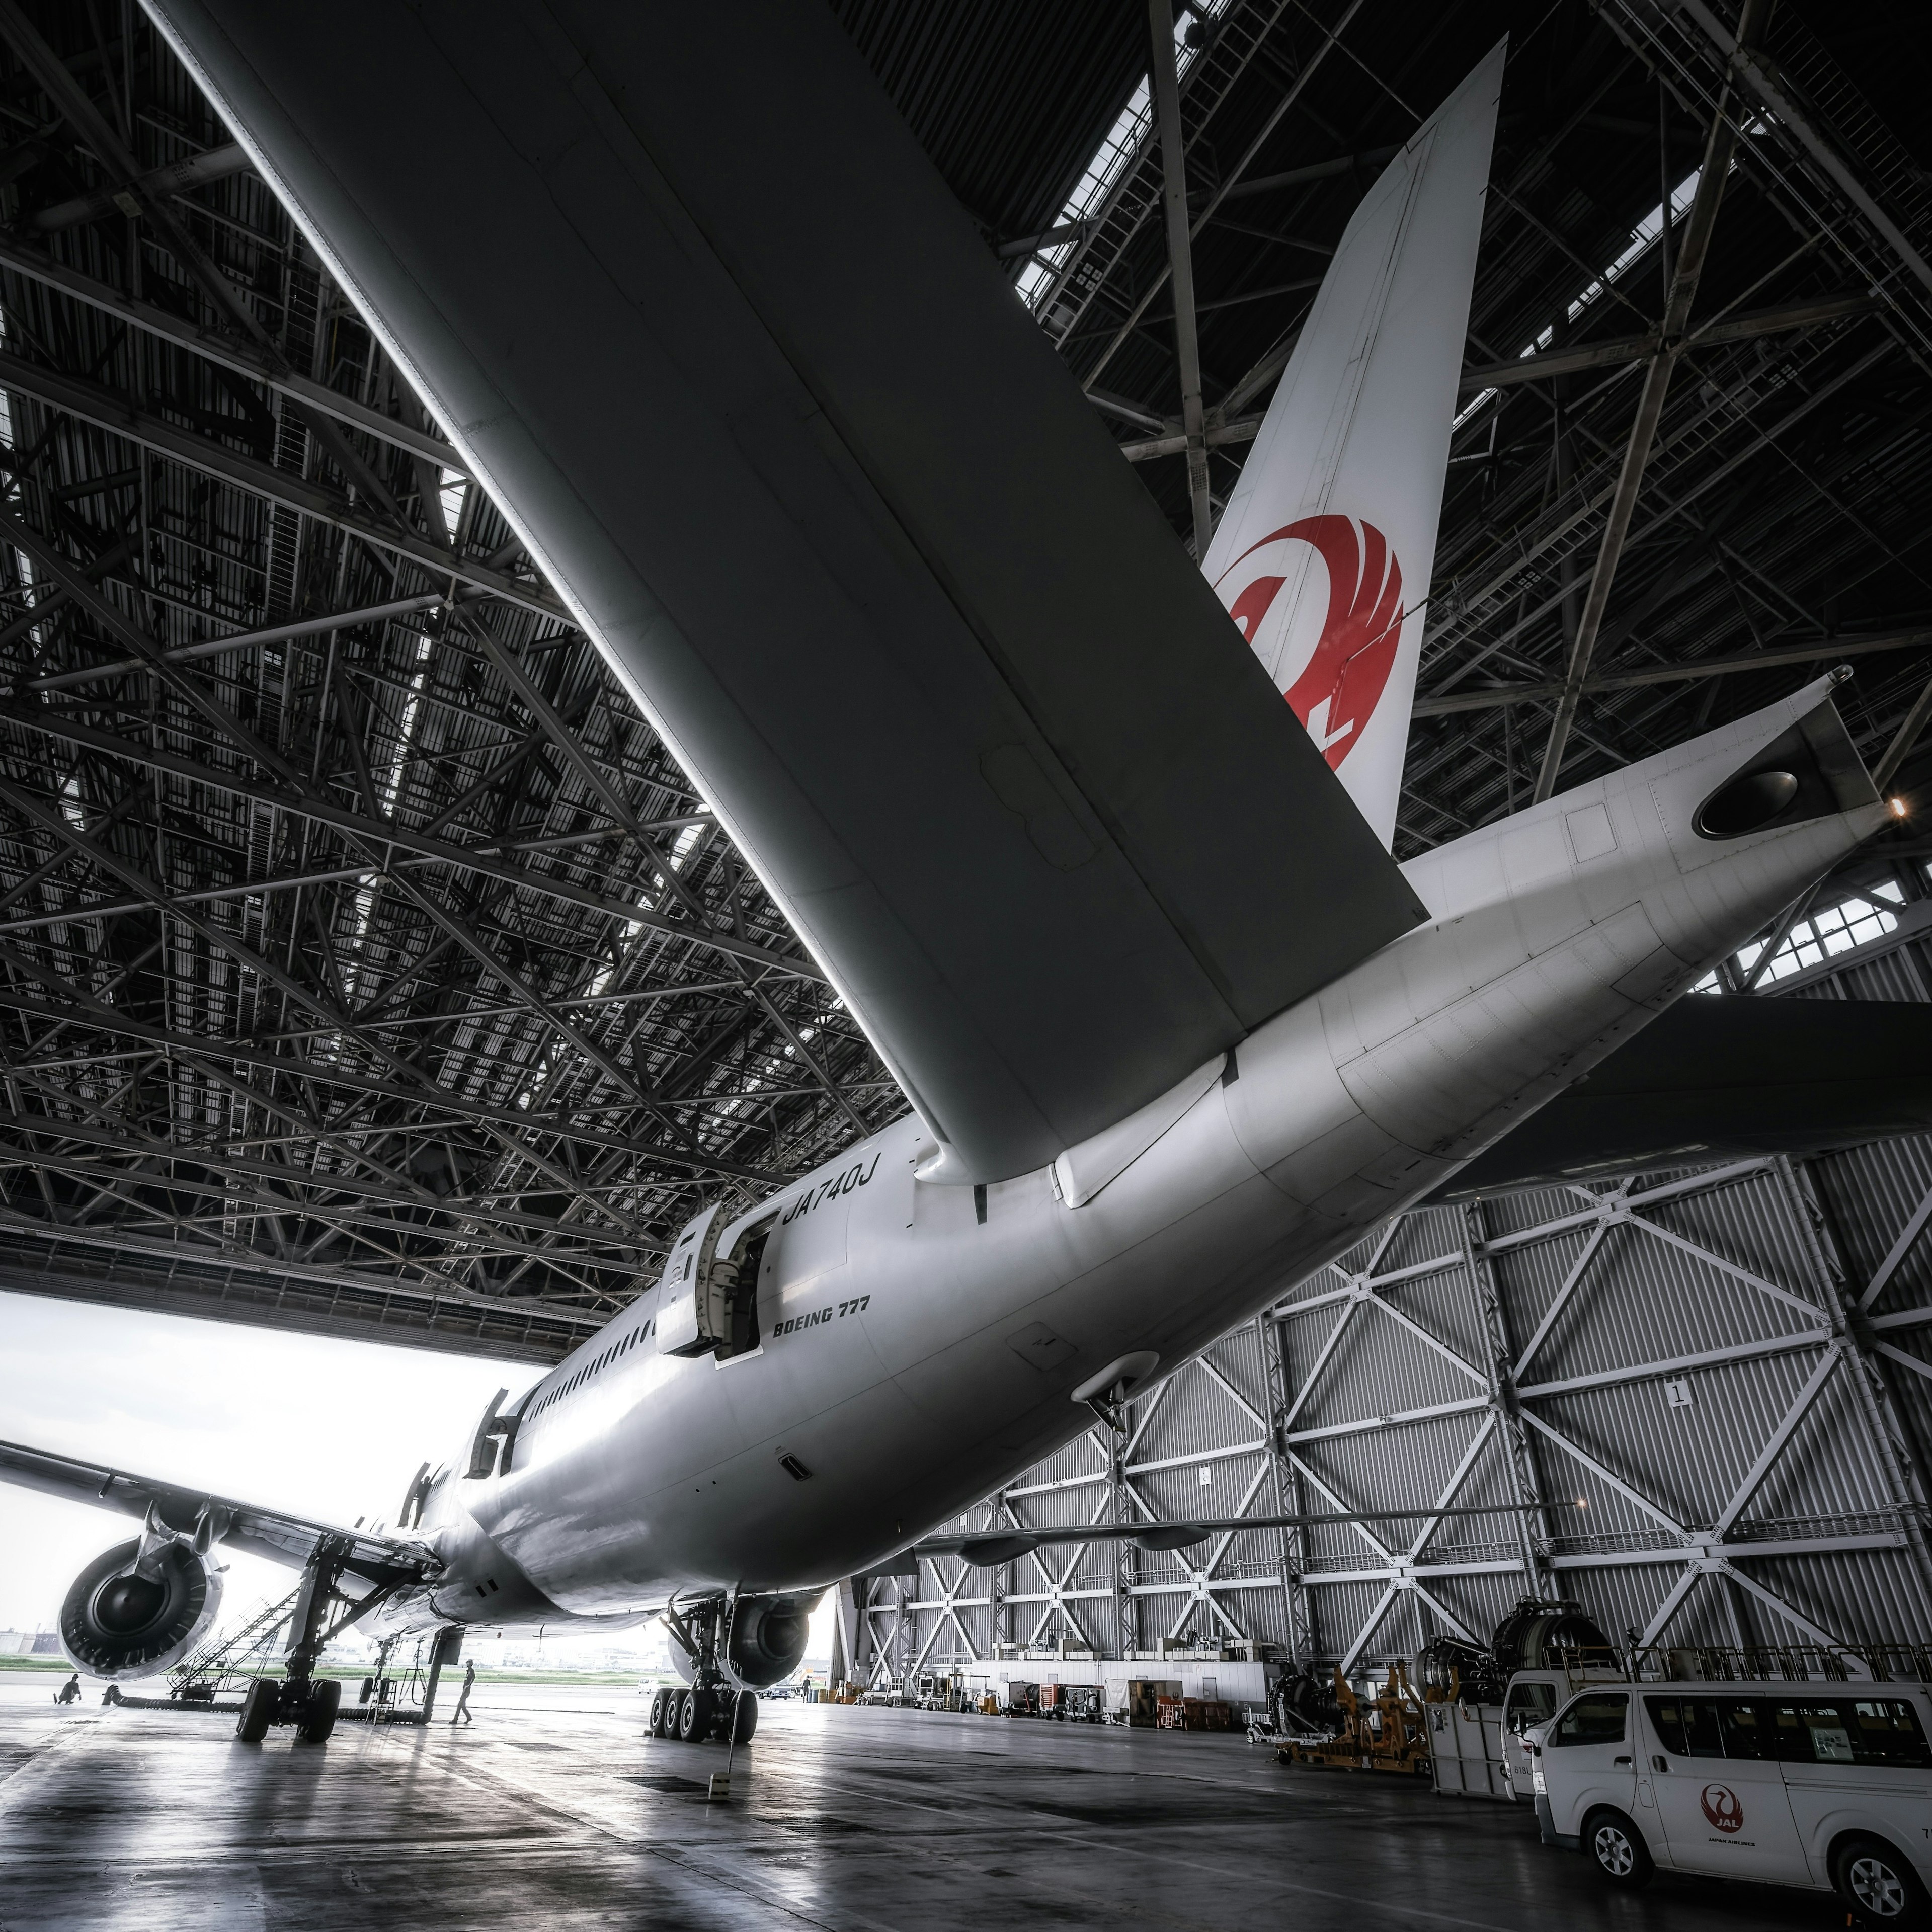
(462, 1700)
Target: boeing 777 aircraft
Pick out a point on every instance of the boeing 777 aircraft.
(1094, 843)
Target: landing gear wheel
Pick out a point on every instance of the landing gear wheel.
(660, 1699)
(674, 1713)
(1616, 1847)
(745, 1718)
(324, 1699)
(1879, 1885)
(258, 1710)
(694, 1716)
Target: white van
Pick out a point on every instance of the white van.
(1529, 1703)
(1827, 1786)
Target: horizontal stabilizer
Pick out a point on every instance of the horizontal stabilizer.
(712, 331)
(1718, 1078)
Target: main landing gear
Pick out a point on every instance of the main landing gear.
(702, 1714)
(712, 1708)
(301, 1699)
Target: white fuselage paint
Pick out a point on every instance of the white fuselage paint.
(912, 1357)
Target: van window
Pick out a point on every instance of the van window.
(1749, 1730)
(1864, 1730)
(1594, 1720)
(1529, 1705)
(1837, 1730)
(1687, 1726)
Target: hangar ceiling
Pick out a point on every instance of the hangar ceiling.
(368, 965)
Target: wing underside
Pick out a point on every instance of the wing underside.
(713, 331)
(280, 1537)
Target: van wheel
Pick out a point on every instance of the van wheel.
(1616, 1847)
(1877, 1883)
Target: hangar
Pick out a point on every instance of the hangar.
(374, 969)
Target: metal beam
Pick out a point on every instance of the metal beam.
(478, 860)
(1330, 39)
(1166, 88)
(106, 410)
(428, 1294)
(175, 177)
(1761, 79)
(215, 647)
(1640, 348)
(228, 353)
(1489, 697)
(1719, 148)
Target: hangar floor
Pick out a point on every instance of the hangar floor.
(555, 1809)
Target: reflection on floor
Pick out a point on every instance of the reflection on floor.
(556, 1810)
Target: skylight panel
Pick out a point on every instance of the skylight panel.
(1838, 929)
(453, 487)
(1115, 154)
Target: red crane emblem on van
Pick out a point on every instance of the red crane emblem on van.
(1339, 688)
(1723, 1807)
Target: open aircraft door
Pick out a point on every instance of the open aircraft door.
(708, 1302)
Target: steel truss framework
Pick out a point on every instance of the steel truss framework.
(365, 963)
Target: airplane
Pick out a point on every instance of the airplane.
(1093, 843)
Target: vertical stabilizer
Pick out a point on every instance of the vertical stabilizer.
(1324, 555)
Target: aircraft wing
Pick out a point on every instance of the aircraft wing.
(1715, 1078)
(715, 334)
(280, 1537)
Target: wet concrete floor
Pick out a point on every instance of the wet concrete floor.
(556, 1809)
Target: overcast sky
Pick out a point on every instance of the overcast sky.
(327, 1429)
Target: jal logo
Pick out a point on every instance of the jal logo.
(1723, 1808)
(1335, 693)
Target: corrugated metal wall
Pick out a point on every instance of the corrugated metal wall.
(1710, 1391)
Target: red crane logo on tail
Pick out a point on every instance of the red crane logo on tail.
(1337, 690)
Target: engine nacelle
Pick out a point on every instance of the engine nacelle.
(115, 1622)
(766, 1644)
(768, 1639)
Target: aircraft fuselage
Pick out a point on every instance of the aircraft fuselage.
(916, 1343)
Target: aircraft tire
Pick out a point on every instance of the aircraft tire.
(660, 1699)
(258, 1710)
(324, 1699)
(744, 1719)
(694, 1716)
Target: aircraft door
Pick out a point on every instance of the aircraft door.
(708, 1298)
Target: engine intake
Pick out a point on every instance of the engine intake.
(118, 1622)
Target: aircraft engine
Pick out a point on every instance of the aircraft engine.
(769, 1638)
(118, 1622)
